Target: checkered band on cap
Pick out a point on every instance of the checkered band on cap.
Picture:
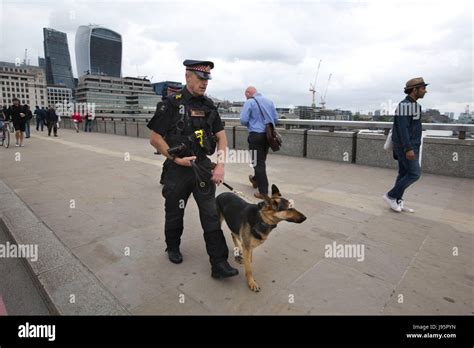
(201, 68)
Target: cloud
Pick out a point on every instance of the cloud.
(370, 48)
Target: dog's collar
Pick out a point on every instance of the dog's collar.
(267, 226)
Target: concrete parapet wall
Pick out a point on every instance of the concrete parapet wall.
(110, 127)
(131, 129)
(293, 142)
(451, 157)
(120, 127)
(229, 132)
(443, 156)
(331, 146)
(143, 131)
(241, 138)
(370, 152)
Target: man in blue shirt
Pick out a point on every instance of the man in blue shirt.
(406, 138)
(256, 113)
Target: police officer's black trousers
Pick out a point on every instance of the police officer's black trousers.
(258, 146)
(179, 183)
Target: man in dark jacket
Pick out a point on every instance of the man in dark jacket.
(406, 138)
(40, 115)
(17, 114)
(29, 116)
(51, 121)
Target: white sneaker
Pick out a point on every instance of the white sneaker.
(401, 203)
(17, 145)
(392, 203)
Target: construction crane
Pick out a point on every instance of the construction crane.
(323, 98)
(312, 87)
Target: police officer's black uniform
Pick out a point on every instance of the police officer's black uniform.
(180, 116)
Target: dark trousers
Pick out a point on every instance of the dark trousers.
(52, 126)
(88, 125)
(39, 123)
(166, 165)
(27, 129)
(408, 173)
(258, 146)
(179, 183)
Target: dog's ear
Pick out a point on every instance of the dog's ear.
(275, 191)
(270, 202)
(267, 199)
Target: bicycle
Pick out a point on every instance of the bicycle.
(5, 135)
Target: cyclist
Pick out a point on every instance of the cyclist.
(4, 119)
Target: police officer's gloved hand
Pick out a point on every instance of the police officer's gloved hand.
(185, 161)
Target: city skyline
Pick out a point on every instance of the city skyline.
(280, 61)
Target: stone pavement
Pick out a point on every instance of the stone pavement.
(108, 212)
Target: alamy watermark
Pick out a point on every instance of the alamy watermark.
(237, 156)
(26, 251)
(334, 251)
(67, 108)
(400, 109)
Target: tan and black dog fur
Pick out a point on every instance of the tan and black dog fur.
(250, 224)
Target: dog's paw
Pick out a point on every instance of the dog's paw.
(253, 285)
(239, 259)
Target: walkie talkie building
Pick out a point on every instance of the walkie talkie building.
(98, 51)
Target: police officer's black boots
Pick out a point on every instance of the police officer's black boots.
(218, 252)
(223, 270)
(174, 255)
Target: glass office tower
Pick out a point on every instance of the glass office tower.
(98, 51)
(57, 61)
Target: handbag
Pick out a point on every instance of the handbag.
(273, 137)
(388, 146)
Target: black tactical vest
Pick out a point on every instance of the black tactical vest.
(187, 117)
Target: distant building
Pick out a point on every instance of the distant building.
(59, 95)
(377, 113)
(57, 61)
(98, 51)
(465, 117)
(116, 95)
(42, 63)
(161, 87)
(450, 115)
(236, 107)
(285, 110)
(25, 82)
(305, 112)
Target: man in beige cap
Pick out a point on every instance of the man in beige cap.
(406, 138)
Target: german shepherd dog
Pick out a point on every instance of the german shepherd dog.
(250, 224)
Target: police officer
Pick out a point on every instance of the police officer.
(189, 121)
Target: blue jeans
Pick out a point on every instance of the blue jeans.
(408, 173)
(27, 129)
(88, 125)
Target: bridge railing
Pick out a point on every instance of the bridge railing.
(332, 125)
(340, 141)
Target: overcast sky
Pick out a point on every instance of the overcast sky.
(371, 47)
